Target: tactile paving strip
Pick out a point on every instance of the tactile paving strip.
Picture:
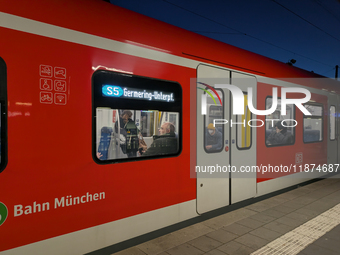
(296, 240)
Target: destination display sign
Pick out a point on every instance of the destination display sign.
(131, 93)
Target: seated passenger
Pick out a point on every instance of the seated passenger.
(213, 138)
(279, 135)
(165, 142)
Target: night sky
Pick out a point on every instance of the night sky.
(305, 30)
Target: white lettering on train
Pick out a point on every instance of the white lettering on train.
(28, 209)
(69, 200)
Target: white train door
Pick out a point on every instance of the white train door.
(216, 185)
(243, 142)
(212, 188)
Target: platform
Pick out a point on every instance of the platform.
(302, 221)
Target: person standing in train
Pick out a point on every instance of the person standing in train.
(124, 119)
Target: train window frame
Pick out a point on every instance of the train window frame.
(246, 122)
(205, 127)
(3, 118)
(332, 131)
(321, 117)
(140, 84)
(293, 128)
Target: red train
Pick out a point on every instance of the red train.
(103, 137)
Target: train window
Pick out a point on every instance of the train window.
(213, 135)
(280, 128)
(135, 117)
(3, 117)
(312, 125)
(332, 123)
(243, 131)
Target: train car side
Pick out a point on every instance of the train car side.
(59, 196)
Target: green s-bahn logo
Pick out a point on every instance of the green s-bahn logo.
(3, 213)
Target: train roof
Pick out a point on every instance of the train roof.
(102, 19)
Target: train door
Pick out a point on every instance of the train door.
(219, 180)
(243, 143)
(212, 187)
(333, 133)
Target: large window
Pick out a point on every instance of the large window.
(135, 117)
(312, 125)
(3, 117)
(280, 128)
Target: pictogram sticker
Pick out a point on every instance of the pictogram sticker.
(60, 86)
(299, 158)
(60, 72)
(46, 97)
(52, 82)
(60, 98)
(46, 71)
(46, 84)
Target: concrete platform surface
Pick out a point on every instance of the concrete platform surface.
(302, 221)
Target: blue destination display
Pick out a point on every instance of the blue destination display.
(116, 91)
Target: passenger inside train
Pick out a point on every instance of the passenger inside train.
(164, 143)
(126, 123)
(280, 128)
(279, 135)
(123, 133)
(213, 138)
